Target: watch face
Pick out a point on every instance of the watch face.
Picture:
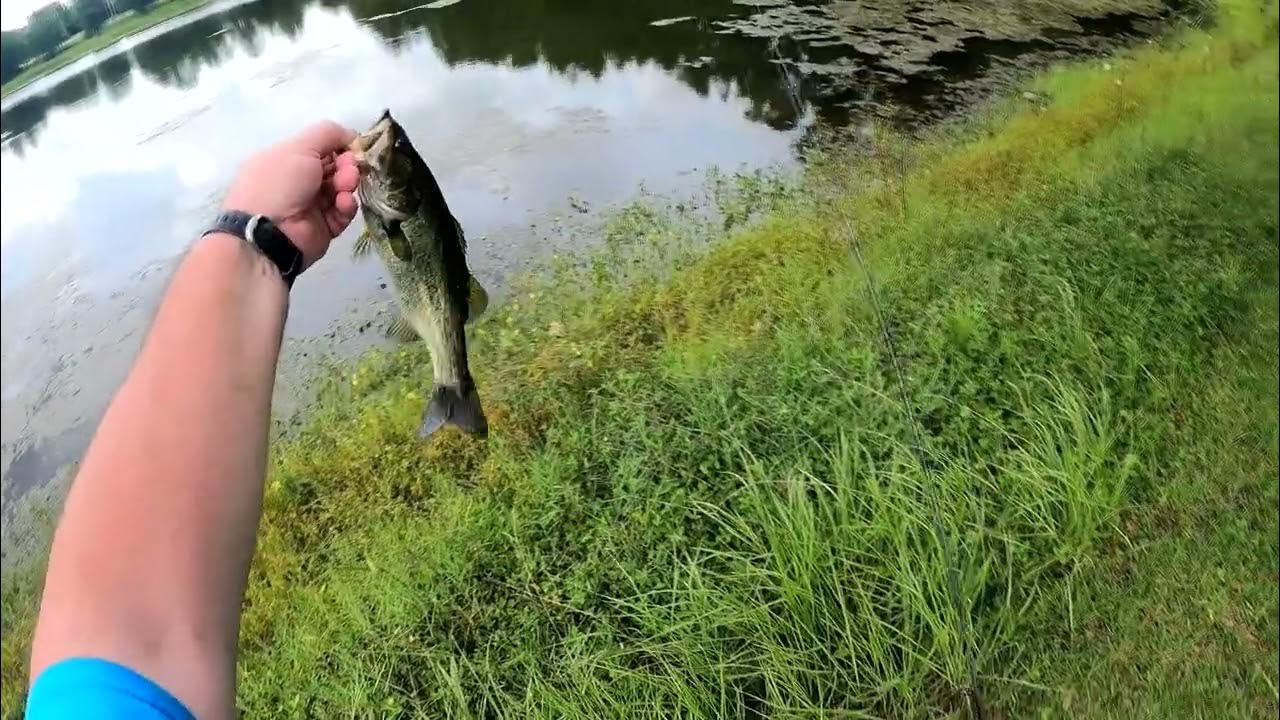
(251, 229)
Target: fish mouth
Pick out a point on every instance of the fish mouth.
(380, 188)
(373, 149)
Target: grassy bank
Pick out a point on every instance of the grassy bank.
(125, 26)
(702, 496)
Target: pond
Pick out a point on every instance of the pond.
(529, 112)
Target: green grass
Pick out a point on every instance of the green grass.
(127, 25)
(700, 497)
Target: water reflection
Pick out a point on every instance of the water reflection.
(584, 35)
(222, 80)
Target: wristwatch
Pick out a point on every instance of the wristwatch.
(263, 234)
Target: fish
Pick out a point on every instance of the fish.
(409, 226)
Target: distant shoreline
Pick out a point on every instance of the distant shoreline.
(110, 35)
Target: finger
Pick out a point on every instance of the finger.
(325, 137)
(345, 159)
(340, 215)
(345, 204)
(345, 179)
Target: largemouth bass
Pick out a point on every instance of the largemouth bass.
(409, 226)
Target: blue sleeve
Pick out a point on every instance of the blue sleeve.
(92, 689)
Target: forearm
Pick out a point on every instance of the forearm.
(156, 583)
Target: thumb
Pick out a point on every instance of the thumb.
(325, 137)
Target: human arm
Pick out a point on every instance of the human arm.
(151, 555)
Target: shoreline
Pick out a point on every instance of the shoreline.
(103, 42)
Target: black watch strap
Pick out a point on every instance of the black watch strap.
(264, 235)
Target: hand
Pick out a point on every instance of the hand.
(304, 184)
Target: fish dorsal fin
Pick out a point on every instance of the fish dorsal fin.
(395, 238)
(363, 243)
(477, 300)
(400, 329)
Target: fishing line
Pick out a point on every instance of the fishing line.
(971, 693)
(789, 83)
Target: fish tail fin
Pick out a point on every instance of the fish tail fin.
(454, 405)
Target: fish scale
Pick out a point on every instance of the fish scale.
(420, 290)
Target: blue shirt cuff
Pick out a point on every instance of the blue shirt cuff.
(94, 689)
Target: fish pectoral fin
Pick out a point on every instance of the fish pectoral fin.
(363, 244)
(396, 239)
(477, 300)
(400, 329)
